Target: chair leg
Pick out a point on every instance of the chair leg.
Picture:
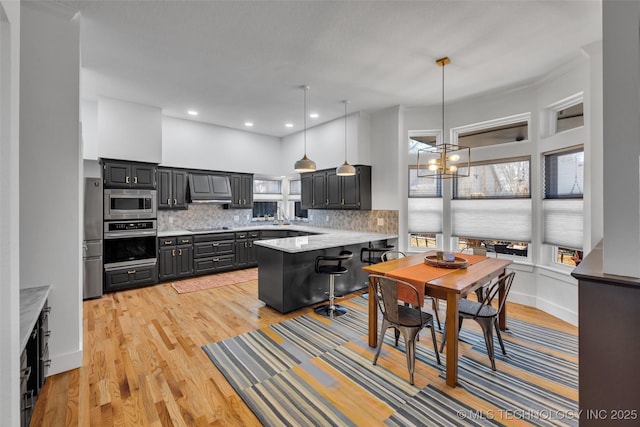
(487, 330)
(435, 342)
(383, 331)
(435, 304)
(444, 334)
(397, 334)
(410, 351)
(497, 326)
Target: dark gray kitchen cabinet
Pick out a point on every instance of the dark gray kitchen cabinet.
(121, 174)
(172, 188)
(245, 251)
(326, 190)
(209, 187)
(175, 257)
(213, 252)
(130, 277)
(241, 191)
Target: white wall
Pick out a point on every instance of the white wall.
(9, 212)
(129, 131)
(325, 145)
(196, 145)
(50, 172)
(89, 122)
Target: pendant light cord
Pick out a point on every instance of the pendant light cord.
(443, 135)
(345, 130)
(305, 118)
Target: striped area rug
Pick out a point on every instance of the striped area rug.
(313, 371)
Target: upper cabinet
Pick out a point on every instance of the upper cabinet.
(121, 174)
(172, 188)
(326, 190)
(241, 190)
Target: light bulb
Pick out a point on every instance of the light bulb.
(433, 167)
(454, 158)
(453, 168)
(433, 161)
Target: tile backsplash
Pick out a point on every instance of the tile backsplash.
(212, 216)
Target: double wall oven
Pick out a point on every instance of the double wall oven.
(130, 238)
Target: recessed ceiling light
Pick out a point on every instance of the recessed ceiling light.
(192, 112)
(288, 125)
(314, 115)
(249, 124)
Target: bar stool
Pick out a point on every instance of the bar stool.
(373, 255)
(332, 265)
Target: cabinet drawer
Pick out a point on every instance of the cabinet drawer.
(131, 277)
(213, 264)
(213, 237)
(184, 240)
(242, 235)
(207, 249)
(167, 241)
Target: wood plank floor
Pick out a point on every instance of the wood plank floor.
(143, 363)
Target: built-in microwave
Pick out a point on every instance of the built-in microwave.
(129, 204)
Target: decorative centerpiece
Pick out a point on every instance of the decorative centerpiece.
(446, 260)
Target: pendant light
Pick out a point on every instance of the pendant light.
(305, 164)
(443, 160)
(346, 169)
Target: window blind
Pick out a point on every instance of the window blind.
(563, 222)
(425, 215)
(496, 219)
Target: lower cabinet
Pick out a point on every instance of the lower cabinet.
(130, 277)
(175, 257)
(246, 252)
(213, 252)
(34, 365)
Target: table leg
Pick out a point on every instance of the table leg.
(452, 326)
(373, 317)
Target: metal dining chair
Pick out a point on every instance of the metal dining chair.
(405, 319)
(435, 304)
(486, 314)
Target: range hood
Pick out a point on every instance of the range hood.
(209, 188)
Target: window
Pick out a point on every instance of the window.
(298, 211)
(295, 186)
(422, 241)
(504, 179)
(267, 186)
(567, 256)
(562, 209)
(494, 135)
(521, 249)
(570, 117)
(564, 174)
(423, 186)
(260, 209)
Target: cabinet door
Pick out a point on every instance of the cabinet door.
(167, 263)
(143, 176)
(179, 188)
(236, 190)
(252, 253)
(351, 191)
(241, 253)
(247, 191)
(165, 193)
(117, 175)
(334, 193)
(306, 191)
(184, 261)
(319, 191)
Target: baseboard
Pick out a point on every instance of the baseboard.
(524, 299)
(558, 311)
(65, 362)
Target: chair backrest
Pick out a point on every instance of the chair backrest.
(389, 255)
(479, 251)
(386, 295)
(504, 282)
(372, 255)
(333, 259)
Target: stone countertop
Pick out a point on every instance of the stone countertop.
(31, 303)
(323, 238)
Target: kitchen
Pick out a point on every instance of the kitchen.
(48, 245)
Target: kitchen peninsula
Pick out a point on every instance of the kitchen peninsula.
(286, 276)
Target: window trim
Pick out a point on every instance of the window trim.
(551, 112)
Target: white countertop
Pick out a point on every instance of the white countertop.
(31, 303)
(325, 237)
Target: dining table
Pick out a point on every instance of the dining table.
(439, 281)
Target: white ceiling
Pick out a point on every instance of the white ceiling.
(245, 60)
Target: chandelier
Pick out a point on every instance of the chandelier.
(443, 160)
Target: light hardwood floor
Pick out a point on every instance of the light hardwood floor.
(143, 363)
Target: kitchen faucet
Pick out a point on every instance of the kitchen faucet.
(285, 218)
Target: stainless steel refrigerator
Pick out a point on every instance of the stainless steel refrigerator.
(92, 245)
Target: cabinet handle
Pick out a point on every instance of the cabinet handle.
(175, 202)
(179, 251)
(342, 202)
(216, 244)
(127, 180)
(167, 242)
(216, 259)
(250, 244)
(131, 272)
(169, 202)
(245, 245)
(135, 179)
(326, 202)
(25, 373)
(185, 240)
(173, 252)
(46, 334)
(47, 363)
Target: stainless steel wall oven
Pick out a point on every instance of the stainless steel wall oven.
(129, 243)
